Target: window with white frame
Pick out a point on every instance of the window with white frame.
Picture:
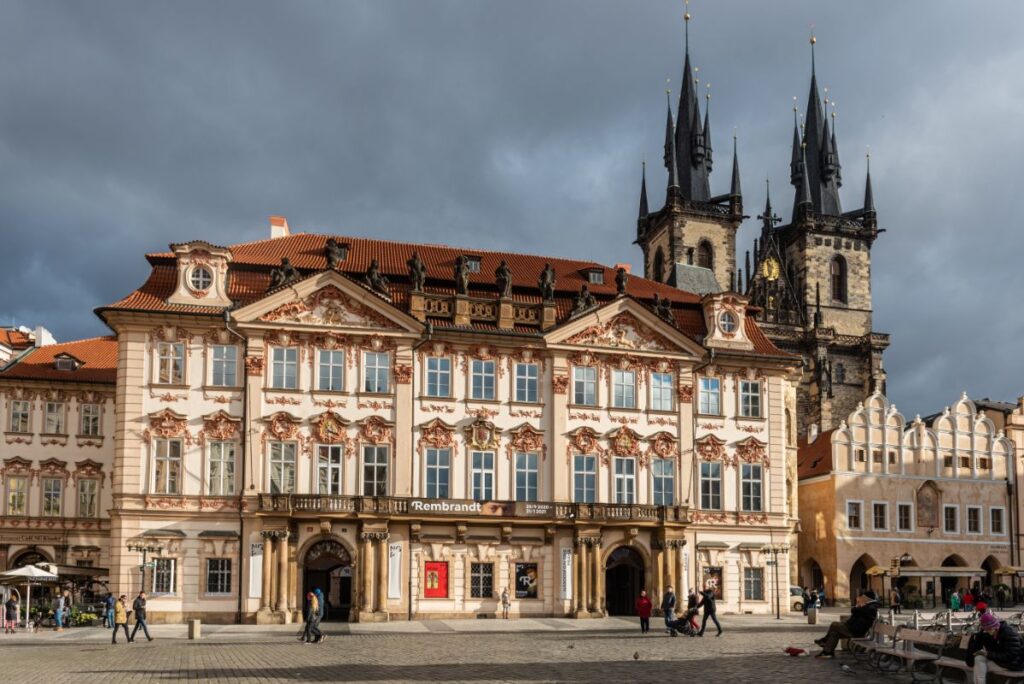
(218, 575)
(482, 475)
(88, 497)
(17, 494)
(711, 485)
(879, 516)
(710, 396)
(904, 517)
(527, 379)
(221, 476)
(328, 468)
(282, 467)
(284, 364)
(89, 415)
(625, 480)
(623, 388)
(481, 580)
(170, 363)
(438, 464)
(584, 478)
(54, 418)
(20, 414)
(750, 399)
(53, 489)
(224, 365)
(854, 514)
(526, 476)
(995, 521)
(753, 584)
(439, 376)
(584, 385)
(482, 379)
(663, 472)
(331, 370)
(375, 470)
(167, 466)
(974, 520)
(163, 576)
(376, 372)
(661, 391)
(951, 519)
(751, 482)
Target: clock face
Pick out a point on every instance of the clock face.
(770, 269)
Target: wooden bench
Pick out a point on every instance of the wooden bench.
(862, 646)
(1011, 676)
(884, 640)
(910, 657)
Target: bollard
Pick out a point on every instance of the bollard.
(892, 616)
(949, 621)
(916, 619)
(812, 615)
(194, 629)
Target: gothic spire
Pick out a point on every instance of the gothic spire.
(643, 191)
(869, 196)
(690, 153)
(671, 162)
(819, 160)
(835, 150)
(734, 189)
(707, 131)
(804, 201)
(794, 162)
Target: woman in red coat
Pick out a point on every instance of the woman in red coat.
(643, 609)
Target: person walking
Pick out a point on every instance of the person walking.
(10, 615)
(108, 611)
(954, 601)
(139, 608)
(805, 597)
(668, 608)
(321, 613)
(58, 613)
(967, 601)
(121, 618)
(691, 609)
(504, 603)
(998, 642)
(643, 610)
(310, 632)
(707, 601)
(896, 601)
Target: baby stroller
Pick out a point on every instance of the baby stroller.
(683, 625)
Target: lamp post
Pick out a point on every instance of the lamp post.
(773, 551)
(139, 547)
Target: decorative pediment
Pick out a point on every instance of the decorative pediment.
(167, 424)
(282, 425)
(16, 465)
(662, 445)
(53, 467)
(89, 468)
(624, 331)
(481, 434)
(328, 306)
(220, 426)
(329, 427)
(625, 441)
(527, 438)
(710, 448)
(584, 440)
(436, 434)
(376, 430)
(753, 450)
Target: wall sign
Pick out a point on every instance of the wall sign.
(395, 570)
(527, 581)
(711, 578)
(255, 570)
(567, 574)
(435, 579)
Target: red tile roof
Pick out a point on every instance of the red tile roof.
(98, 356)
(249, 274)
(815, 458)
(15, 339)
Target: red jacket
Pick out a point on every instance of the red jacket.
(643, 607)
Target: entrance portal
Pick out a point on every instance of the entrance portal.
(328, 567)
(623, 580)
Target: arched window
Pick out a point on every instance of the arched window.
(659, 266)
(838, 270)
(705, 255)
(840, 374)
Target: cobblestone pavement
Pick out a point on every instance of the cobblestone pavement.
(526, 650)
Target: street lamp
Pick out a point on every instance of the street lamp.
(773, 551)
(139, 547)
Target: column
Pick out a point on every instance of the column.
(382, 572)
(577, 581)
(282, 572)
(595, 585)
(367, 580)
(268, 569)
(293, 581)
(581, 607)
(667, 557)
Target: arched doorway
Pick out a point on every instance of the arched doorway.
(30, 556)
(990, 580)
(949, 584)
(623, 580)
(811, 575)
(328, 566)
(860, 580)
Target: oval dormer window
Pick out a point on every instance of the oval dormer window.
(727, 322)
(200, 279)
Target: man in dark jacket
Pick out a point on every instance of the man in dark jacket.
(862, 617)
(707, 601)
(139, 608)
(668, 608)
(1002, 645)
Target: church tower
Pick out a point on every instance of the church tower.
(691, 241)
(812, 277)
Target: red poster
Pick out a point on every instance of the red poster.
(435, 579)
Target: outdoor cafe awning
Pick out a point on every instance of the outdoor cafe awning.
(946, 571)
(1010, 570)
(75, 571)
(876, 571)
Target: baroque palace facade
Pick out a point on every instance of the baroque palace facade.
(412, 428)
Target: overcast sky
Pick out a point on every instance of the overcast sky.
(509, 125)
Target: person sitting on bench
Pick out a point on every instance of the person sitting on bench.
(862, 617)
(998, 642)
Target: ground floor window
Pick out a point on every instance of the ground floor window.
(218, 575)
(753, 584)
(163, 576)
(481, 578)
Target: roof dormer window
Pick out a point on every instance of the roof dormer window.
(202, 274)
(200, 279)
(473, 264)
(595, 276)
(66, 363)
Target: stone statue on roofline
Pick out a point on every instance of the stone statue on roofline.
(546, 283)
(377, 281)
(503, 279)
(417, 272)
(462, 275)
(662, 307)
(584, 301)
(621, 278)
(336, 252)
(284, 274)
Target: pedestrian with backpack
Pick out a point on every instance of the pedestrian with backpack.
(668, 607)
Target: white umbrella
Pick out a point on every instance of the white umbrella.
(28, 573)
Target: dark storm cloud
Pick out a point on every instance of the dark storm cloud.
(520, 125)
